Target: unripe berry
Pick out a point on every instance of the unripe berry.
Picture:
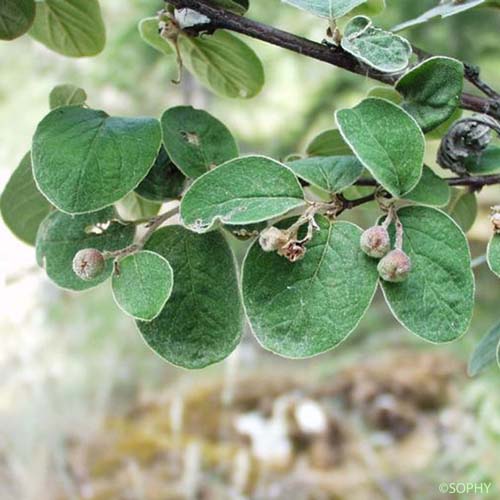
(395, 267)
(272, 239)
(375, 242)
(88, 264)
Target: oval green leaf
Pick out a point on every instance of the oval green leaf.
(61, 236)
(493, 254)
(387, 93)
(224, 64)
(330, 173)
(432, 91)
(67, 95)
(431, 190)
(196, 141)
(23, 207)
(16, 18)
(485, 352)
(308, 307)
(462, 208)
(382, 50)
(242, 191)
(73, 28)
(149, 31)
(164, 181)
(387, 141)
(436, 301)
(142, 284)
(329, 9)
(132, 207)
(202, 322)
(329, 143)
(85, 160)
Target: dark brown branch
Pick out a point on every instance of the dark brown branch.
(476, 182)
(336, 56)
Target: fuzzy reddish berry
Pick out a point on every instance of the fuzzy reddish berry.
(375, 242)
(395, 267)
(88, 264)
(272, 239)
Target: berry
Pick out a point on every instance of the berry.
(395, 267)
(375, 242)
(88, 264)
(272, 239)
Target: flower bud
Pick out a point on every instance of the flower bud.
(293, 251)
(495, 220)
(375, 242)
(395, 267)
(272, 239)
(88, 264)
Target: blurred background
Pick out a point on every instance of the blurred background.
(87, 411)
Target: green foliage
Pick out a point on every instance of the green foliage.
(148, 29)
(142, 284)
(494, 254)
(432, 91)
(61, 236)
(329, 143)
(67, 95)
(486, 352)
(22, 206)
(305, 308)
(382, 50)
(134, 207)
(387, 141)
(330, 9)
(224, 64)
(164, 181)
(85, 160)
(243, 191)
(236, 6)
(196, 141)
(16, 18)
(488, 162)
(462, 208)
(202, 322)
(436, 300)
(431, 190)
(329, 173)
(72, 28)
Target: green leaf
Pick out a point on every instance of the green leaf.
(444, 9)
(369, 8)
(237, 6)
(493, 254)
(164, 181)
(462, 208)
(382, 50)
(431, 190)
(224, 64)
(22, 206)
(330, 173)
(196, 141)
(16, 18)
(85, 160)
(486, 352)
(486, 163)
(439, 132)
(61, 236)
(73, 28)
(329, 143)
(202, 322)
(242, 191)
(305, 308)
(387, 141)
(432, 91)
(133, 207)
(436, 301)
(142, 284)
(387, 93)
(67, 95)
(330, 9)
(149, 31)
